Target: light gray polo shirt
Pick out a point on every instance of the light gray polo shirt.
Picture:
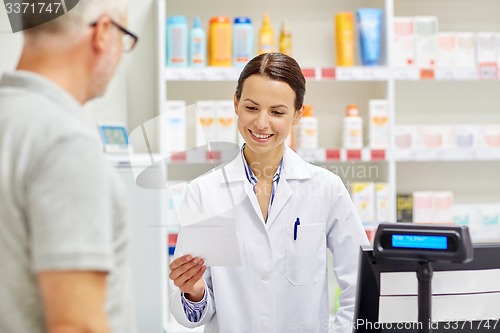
(62, 206)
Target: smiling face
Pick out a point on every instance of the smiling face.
(266, 113)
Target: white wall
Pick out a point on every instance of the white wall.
(141, 71)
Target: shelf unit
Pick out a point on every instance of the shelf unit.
(356, 73)
(415, 95)
(192, 84)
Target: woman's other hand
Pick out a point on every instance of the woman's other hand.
(187, 273)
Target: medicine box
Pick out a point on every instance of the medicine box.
(466, 49)
(404, 41)
(206, 126)
(426, 29)
(486, 48)
(378, 124)
(173, 128)
(226, 122)
(363, 197)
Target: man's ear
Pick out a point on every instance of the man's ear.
(101, 35)
(298, 115)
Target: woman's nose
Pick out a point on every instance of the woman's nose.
(262, 120)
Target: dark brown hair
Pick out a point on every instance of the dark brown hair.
(276, 66)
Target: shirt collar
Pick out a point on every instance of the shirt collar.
(249, 173)
(293, 167)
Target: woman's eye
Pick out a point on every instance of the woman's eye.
(251, 108)
(278, 113)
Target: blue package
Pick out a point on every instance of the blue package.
(370, 34)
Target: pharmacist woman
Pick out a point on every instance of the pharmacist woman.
(288, 213)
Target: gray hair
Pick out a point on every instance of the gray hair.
(77, 19)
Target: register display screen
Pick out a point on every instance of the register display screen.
(420, 242)
(115, 135)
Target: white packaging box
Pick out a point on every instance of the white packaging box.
(443, 204)
(467, 136)
(438, 136)
(490, 216)
(363, 197)
(489, 228)
(206, 129)
(418, 136)
(423, 207)
(382, 200)
(466, 215)
(466, 49)
(426, 30)
(404, 137)
(404, 42)
(491, 136)
(486, 48)
(477, 131)
(470, 216)
(378, 124)
(226, 122)
(173, 128)
(447, 49)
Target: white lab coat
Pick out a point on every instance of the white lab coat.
(282, 284)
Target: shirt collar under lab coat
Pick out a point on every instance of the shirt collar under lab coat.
(293, 168)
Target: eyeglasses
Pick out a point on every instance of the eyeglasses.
(129, 40)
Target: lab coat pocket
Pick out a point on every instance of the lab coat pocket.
(306, 255)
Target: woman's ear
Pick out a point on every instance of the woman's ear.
(297, 115)
(235, 104)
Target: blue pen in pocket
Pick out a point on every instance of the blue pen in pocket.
(297, 223)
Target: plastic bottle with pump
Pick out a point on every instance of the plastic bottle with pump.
(353, 128)
(197, 45)
(285, 45)
(307, 130)
(266, 35)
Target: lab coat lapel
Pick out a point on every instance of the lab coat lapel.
(281, 197)
(253, 200)
(294, 168)
(235, 172)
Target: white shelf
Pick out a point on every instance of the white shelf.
(457, 154)
(356, 73)
(445, 74)
(202, 74)
(327, 155)
(319, 155)
(362, 73)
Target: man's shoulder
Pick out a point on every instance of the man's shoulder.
(27, 111)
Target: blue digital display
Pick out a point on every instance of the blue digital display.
(420, 242)
(114, 135)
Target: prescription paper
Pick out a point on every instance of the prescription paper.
(215, 240)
